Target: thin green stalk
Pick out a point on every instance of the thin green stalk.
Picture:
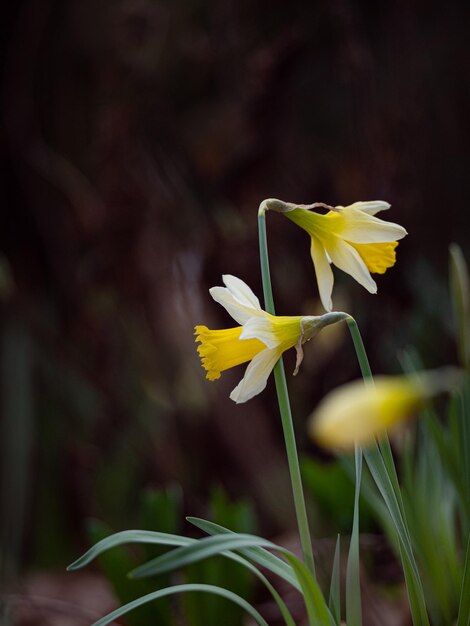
(285, 410)
(380, 461)
(384, 443)
(353, 586)
(360, 349)
(353, 578)
(464, 605)
(460, 289)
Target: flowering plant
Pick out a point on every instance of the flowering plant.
(356, 241)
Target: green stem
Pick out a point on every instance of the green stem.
(360, 349)
(285, 411)
(353, 585)
(384, 443)
(382, 467)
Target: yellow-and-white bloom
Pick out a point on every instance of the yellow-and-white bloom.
(350, 237)
(260, 338)
(358, 412)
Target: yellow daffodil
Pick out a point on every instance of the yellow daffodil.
(260, 338)
(350, 237)
(358, 412)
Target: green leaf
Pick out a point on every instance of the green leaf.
(457, 442)
(353, 583)
(129, 536)
(212, 528)
(202, 549)
(183, 589)
(464, 606)
(261, 556)
(220, 544)
(464, 427)
(460, 288)
(317, 609)
(382, 467)
(277, 598)
(335, 586)
(236, 515)
(148, 537)
(203, 609)
(115, 564)
(330, 488)
(164, 539)
(162, 509)
(384, 483)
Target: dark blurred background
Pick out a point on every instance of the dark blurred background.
(138, 139)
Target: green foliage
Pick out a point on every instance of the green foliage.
(175, 589)
(353, 586)
(426, 489)
(329, 487)
(426, 510)
(115, 564)
(203, 609)
(257, 554)
(334, 601)
(430, 508)
(381, 465)
(460, 287)
(432, 483)
(464, 604)
(222, 543)
(163, 510)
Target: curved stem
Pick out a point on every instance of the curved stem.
(360, 349)
(384, 443)
(380, 461)
(285, 411)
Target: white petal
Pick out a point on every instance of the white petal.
(241, 291)
(323, 272)
(240, 313)
(348, 259)
(256, 375)
(360, 227)
(371, 207)
(260, 328)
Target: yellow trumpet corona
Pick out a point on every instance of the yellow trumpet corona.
(350, 237)
(260, 339)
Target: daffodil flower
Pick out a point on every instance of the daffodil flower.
(350, 237)
(358, 412)
(260, 338)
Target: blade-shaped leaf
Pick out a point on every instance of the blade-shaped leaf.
(116, 563)
(335, 587)
(382, 468)
(138, 536)
(317, 609)
(261, 556)
(220, 544)
(464, 606)
(229, 595)
(460, 287)
(129, 536)
(353, 585)
(383, 481)
(202, 549)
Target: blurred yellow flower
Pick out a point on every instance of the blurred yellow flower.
(357, 412)
(350, 237)
(260, 339)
